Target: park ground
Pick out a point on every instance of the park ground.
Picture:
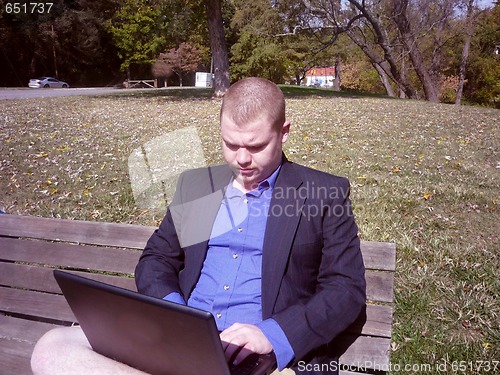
(425, 176)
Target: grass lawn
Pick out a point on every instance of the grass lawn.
(423, 175)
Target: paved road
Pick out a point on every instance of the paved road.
(27, 93)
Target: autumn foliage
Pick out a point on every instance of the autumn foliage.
(179, 61)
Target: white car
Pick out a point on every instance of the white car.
(47, 82)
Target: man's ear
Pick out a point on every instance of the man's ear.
(285, 130)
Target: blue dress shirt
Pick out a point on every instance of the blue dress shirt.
(230, 281)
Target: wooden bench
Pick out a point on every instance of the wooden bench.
(31, 302)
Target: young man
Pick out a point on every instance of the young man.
(268, 246)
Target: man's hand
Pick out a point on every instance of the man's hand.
(248, 338)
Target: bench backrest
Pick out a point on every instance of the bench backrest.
(31, 301)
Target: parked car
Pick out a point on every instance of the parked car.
(47, 82)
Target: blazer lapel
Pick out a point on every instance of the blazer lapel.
(283, 219)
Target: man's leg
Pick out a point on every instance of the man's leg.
(67, 351)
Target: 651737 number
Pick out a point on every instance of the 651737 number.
(25, 8)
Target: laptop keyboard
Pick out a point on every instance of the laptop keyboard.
(246, 367)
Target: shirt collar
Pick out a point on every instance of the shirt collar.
(271, 180)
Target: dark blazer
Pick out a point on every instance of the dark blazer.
(312, 271)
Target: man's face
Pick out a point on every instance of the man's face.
(252, 150)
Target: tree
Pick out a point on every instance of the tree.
(408, 37)
(365, 24)
(161, 69)
(180, 61)
(137, 31)
(393, 34)
(483, 69)
(47, 44)
(218, 46)
(268, 46)
(256, 52)
(469, 29)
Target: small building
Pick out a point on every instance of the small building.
(320, 76)
(204, 79)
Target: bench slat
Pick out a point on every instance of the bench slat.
(15, 356)
(365, 351)
(68, 255)
(379, 286)
(378, 322)
(52, 307)
(17, 329)
(84, 232)
(42, 279)
(376, 255)
(379, 255)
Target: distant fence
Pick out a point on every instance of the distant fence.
(136, 83)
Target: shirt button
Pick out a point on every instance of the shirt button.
(226, 287)
(219, 315)
(245, 200)
(240, 230)
(235, 256)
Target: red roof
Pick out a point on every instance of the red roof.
(324, 71)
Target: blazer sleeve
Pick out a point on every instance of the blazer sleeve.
(339, 288)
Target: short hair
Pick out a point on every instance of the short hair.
(252, 98)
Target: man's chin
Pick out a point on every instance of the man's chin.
(249, 182)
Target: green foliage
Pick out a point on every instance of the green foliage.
(70, 42)
(483, 74)
(361, 76)
(256, 53)
(483, 86)
(266, 45)
(137, 31)
(254, 57)
(88, 42)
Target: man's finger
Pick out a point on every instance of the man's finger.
(242, 354)
(229, 349)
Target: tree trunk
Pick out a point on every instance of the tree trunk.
(383, 41)
(338, 77)
(465, 52)
(382, 66)
(430, 87)
(402, 94)
(385, 80)
(53, 34)
(218, 46)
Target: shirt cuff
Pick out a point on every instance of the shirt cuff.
(175, 297)
(282, 348)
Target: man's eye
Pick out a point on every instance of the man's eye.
(231, 147)
(255, 148)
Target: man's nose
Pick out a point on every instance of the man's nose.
(243, 157)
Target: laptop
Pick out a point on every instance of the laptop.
(150, 334)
